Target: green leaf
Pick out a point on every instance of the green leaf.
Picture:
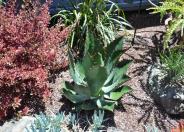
(95, 77)
(98, 60)
(113, 53)
(113, 60)
(69, 93)
(116, 45)
(120, 72)
(114, 85)
(76, 70)
(117, 94)
(89, 43)
(106, 105)
(82, 90)
(87, 62)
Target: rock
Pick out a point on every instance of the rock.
(168, 94)
(17, 126)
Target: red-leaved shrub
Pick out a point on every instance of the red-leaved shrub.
(28, 48)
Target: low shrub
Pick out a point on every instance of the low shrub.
(28, 48)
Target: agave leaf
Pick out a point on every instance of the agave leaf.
(98, 60)
(113, 60)
(82, 90)
(87, 62)
(113, 52)
(76, 71)
(95, 77)
(114, 85)
(105, 104)
(89, 43)
(119, 72)
(79, 74)
(110, 77)
(69, 93)
(117, 94)
(116, 45)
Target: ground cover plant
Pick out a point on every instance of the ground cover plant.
(97, 77)
(66, 122)
(172, 63)
(28, 49)
(176, 8)
(93, 15)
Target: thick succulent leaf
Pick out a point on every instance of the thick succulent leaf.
(87, 62)
(120, 72)
(116, 77)
(113, 53)
(89, 43)
(106, 105)
(116, 45)
(71, 64)
(98, 60)
(95, 77)
(111, 61)
(76, 70)
(110, 78)
(117, 94)
(79, 74)
(69, 93)
(114, 85)
(82, 90)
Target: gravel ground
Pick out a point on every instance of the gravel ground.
(139, 108)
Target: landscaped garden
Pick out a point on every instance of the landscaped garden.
(93, 67)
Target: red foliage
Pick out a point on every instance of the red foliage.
(27, 50)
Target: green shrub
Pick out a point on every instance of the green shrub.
(173, 65)
(93, 15)
(97, 77)
(176, 7)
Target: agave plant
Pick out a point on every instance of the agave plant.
(93, 15)
(97, 78)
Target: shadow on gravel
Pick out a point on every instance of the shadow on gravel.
(151, 108)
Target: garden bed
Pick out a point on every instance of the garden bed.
(138, 108)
